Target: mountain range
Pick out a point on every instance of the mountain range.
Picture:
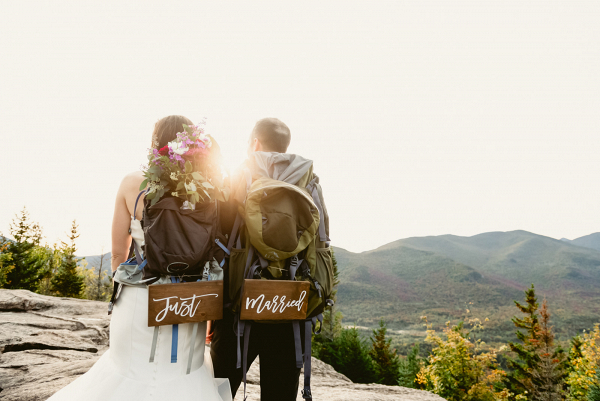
(588, 241)
(95, 261)
(451, 278)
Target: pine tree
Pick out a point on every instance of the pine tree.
(576, 349)
(68, 282)
(594, 392)
(352, 357)
(548, 377)
(409, 368)
(520, 379)
(5, 259)
(386, 361)
(98, 286)
(540, 368)
(53, 261)
(25, 267)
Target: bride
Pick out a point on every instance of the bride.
(124, 371)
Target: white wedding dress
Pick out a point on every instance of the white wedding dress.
(124, 372)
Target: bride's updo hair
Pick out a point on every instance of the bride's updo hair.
(166, 129)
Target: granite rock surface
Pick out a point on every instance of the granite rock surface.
(47, 342)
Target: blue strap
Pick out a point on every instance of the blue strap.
(138, 253)
(175, 335)
(136, 202)
(174, 343)
(223, 247)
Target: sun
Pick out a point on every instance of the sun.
(231, 162)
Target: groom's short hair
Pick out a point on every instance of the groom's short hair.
(273, 135)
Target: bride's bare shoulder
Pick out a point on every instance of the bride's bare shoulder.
(131, 182)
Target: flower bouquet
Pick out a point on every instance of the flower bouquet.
(187, 168)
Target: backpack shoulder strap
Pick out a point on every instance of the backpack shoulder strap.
(136, 202)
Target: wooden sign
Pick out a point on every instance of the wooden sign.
(185, 302)
(274, 300)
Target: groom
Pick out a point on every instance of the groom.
(273, 343)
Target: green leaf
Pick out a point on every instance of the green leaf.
(207, 184)
(154, 170)
(188, 167)
(151, 195)
(197, 176)
(180, 185)
(216, 180)
(153, 202)
(143, 184)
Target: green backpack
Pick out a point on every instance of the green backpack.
(281, 233)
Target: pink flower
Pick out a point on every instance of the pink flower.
(196, 152)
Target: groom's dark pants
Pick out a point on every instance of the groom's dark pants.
(272, 343)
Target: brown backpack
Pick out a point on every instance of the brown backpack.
(180, 242)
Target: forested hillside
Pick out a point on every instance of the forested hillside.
(442, 277)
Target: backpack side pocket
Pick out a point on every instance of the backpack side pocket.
(323, 276)
(324, 271)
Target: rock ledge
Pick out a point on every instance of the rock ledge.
(47, 342)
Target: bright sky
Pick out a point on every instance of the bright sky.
(422, 118)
